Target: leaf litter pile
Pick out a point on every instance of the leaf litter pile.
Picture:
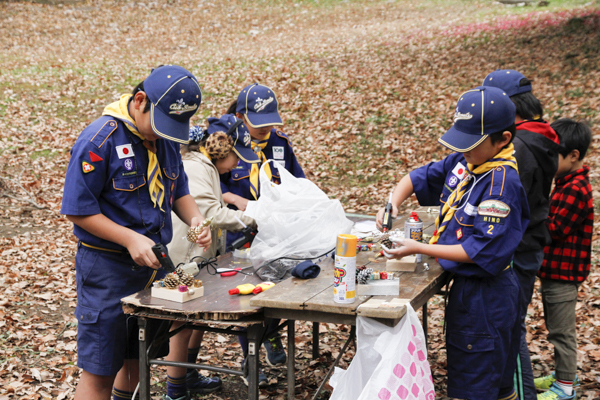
(365, 89)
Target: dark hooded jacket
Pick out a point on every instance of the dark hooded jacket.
(536, 151)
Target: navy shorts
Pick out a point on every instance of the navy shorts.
(483, 332)
(105, 335)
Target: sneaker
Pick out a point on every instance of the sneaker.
(556, 393)
(186, 397)
(275, 352)
(262, 378)
(545, 382)
(197, 383)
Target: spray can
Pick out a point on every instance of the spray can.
(413, 229)
(344, 283)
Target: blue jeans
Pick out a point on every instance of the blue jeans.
(526, 265)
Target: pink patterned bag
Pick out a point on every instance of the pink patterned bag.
(390, 363)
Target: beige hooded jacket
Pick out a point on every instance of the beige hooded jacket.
(205, 188)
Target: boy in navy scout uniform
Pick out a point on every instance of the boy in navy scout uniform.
(124, 178)
(536, 150)
(257, 107)
(483, 214)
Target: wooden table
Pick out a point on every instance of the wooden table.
(312, 299)
(293, 299)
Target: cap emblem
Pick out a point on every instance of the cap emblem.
(459, 116)
(246, 139)
(262, 103)
(180, 107)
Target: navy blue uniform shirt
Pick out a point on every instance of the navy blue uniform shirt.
(489, 234)
(108, 175)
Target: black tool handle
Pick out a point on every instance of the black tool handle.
(160, 251)
(248, 237)
(387, 218)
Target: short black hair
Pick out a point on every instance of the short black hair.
(528, 106)
(574, 135)
(497, 136)
(232, 108)
(140, 88)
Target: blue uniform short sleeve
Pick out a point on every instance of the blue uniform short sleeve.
(85, 178)
(435, 181)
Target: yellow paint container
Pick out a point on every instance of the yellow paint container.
(344, 284)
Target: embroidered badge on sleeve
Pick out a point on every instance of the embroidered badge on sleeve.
(87, 167)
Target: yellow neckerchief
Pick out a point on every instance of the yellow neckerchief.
(202, 150)
(120, 110)
(503, 158)
(258, 148)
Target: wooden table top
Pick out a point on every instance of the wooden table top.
(315, 296)
(303, 295)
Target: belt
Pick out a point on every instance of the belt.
(124, 252)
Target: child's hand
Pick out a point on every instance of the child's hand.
(204, 239)
(379, 218)
(241, 203)
(140, 250)
(406, 247)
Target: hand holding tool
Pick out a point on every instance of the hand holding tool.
(248, 237)
(160, 251)
(387, 216)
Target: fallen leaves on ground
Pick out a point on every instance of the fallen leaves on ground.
(365, 89)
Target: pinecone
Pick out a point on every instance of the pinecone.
(364, 276)
(186, 279)
(193, 234)
(387, 242)
(171, 281)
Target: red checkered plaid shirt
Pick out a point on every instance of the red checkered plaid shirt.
(570, 222)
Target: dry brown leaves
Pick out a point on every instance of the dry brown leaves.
(365, 89)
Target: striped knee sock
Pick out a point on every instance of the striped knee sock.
(507, 394)
(122, 395)
(176, 387)
(192, 356)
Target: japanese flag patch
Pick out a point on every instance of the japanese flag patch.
(124, 151)
(459, 171)
(87, 167)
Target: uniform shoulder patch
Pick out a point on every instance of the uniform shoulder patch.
(493, 208)
(104, 133)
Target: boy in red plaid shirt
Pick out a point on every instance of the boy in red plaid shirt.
(567, 259)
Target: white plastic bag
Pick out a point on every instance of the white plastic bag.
(294, 218)
(390, 363)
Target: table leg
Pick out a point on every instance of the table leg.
(315, 333)
(144, 366)
(291, 345)
(254, 336)
(425, 323)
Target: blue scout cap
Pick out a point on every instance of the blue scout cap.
(259, 104)
(507, 80)
(175, 96)
(235, 129)
(479, 113)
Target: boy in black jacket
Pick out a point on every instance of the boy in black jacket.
(536, 150)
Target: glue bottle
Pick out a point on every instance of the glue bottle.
(344, 284)
(413, 229)
(246, 288)
(261, 287)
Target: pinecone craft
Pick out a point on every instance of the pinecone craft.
(186, 279)
(387, 242)
(364, 276)
(171, 281)
(194, 232)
